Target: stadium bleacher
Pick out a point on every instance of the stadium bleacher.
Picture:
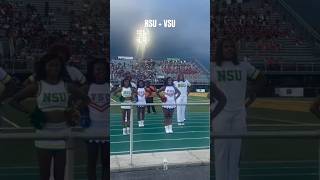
(156, 70)
(268, 35)
(31, 26)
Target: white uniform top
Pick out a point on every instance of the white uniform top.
(126, 92)
(170, 95)
(232, 81)
(52, 96)
(182, 86)
(98, 108)
(4, 76)
(98, 105)
(141, 97)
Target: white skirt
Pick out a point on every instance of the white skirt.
(49, 129)
(126, 107)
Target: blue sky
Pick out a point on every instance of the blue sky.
(190, 38)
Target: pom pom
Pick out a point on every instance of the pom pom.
(121, 99)
(37, 118)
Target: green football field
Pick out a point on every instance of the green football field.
(18, 158)
(152, 138)
(261, 159)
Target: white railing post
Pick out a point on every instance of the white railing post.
(131, 135)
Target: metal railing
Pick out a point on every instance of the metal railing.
(310, 67)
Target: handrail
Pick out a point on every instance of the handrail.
(158, 104)
(12, 134)
(270, 134)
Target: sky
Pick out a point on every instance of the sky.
(189, 39)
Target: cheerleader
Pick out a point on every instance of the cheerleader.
(168, 94)
(53, 114)
(127, 75)
(97, 91)
(141, 102)
(127, 94)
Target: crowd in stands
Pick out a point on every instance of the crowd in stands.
(117, 70)
(145, 69)
(87, 27)
(150, 69)
(30, 33)
(175, 67)
(21, 26)
(250, 24)
(262, 26)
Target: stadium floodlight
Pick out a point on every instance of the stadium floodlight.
(143, 36)
(142, 41)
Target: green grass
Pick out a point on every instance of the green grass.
(261, 159)
(152, 138)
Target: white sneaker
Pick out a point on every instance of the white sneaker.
(128, 130)
(170, 128)
(124, 131)
(182, 124)
(166, 129)
(179, 124)
(142, 123)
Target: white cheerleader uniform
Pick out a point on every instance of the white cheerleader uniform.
(98, 110)
(170, 95)
(126, 92)
(141, 97)
(52, 97)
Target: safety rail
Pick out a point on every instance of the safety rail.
(288, 66)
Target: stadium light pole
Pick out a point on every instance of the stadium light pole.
(142, 41)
